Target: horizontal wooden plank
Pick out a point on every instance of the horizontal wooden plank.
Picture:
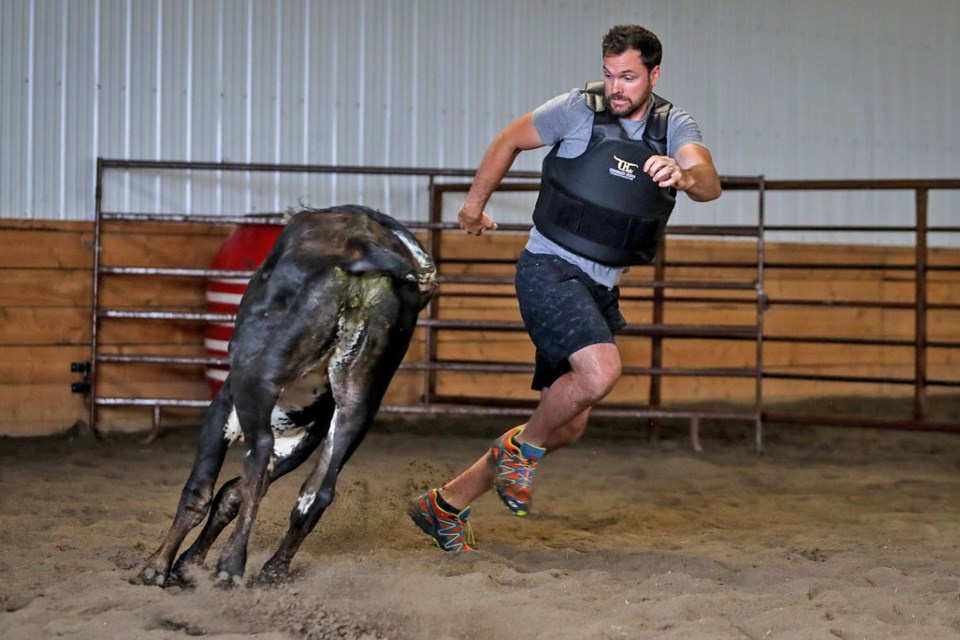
(193, 229)
(810, 288)
(12, 226)
(838, 321)
(152, 292)
(32, 365)
(160, 249)
(40, 428)
(73, 288)
(134, 333)
(690, 354)
(192, 387)
(45, 287)
(140, 419)
(775, 391)
(504, 386)
(50, 403)
(707, 391)
(67, 247)
(45, 325)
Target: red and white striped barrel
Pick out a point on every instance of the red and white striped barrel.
(243, 250)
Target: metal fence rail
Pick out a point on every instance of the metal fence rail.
(752, 293)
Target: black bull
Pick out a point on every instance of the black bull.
(320, 331)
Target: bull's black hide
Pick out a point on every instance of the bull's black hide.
(322, 327)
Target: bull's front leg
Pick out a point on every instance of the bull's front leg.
(196, 494)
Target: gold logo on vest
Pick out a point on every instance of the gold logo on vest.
(624, 169)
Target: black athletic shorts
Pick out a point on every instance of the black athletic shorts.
(563, 310)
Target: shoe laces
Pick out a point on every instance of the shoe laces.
(465, 529)
(523, 468)
(468, 533)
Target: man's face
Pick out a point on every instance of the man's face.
(627, 84)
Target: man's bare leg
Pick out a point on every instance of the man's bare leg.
(595, 369)
(559, 419)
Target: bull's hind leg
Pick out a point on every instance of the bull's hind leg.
(227, 503)
(346, 431)
(196, 494)
(359, 378)
(255, 396)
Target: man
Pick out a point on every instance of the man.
(607, 190)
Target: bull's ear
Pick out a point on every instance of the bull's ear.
(375, 259)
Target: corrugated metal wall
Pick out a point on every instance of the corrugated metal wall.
(816, 89)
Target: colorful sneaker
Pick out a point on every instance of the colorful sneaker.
(516, 465)
(450, 531)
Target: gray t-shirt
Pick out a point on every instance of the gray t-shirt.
(568, 120)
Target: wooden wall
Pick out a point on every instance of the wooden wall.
(45, 308)
(44, 323)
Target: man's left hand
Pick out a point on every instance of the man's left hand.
(665, 172)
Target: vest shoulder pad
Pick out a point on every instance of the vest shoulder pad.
(593, 94)
(656, 128)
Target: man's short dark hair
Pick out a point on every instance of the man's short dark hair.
(632, 36)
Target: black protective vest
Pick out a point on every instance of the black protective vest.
(601, 205)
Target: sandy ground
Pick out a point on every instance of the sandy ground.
(828, 534)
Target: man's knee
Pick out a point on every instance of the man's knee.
(601, 382)
(597, 368)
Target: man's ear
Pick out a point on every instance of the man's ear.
(654, 76)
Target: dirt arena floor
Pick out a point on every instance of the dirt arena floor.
(831, 533)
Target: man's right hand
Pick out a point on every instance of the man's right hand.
(475, 224)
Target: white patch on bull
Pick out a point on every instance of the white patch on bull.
(285, 443)
(426, 271)
(326, 452)
(287, 434)
(279, 420)
(305, 501)
(350, 334)
(231, 430)
(331, 435)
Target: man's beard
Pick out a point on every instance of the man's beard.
(630, 109)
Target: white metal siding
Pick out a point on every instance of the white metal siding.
(815, 89)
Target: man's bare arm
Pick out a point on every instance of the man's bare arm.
(519, 136)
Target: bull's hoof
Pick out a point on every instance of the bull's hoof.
(150, 577)
(227, 580)
(180, 573)
(271, 576)
(178, 578)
